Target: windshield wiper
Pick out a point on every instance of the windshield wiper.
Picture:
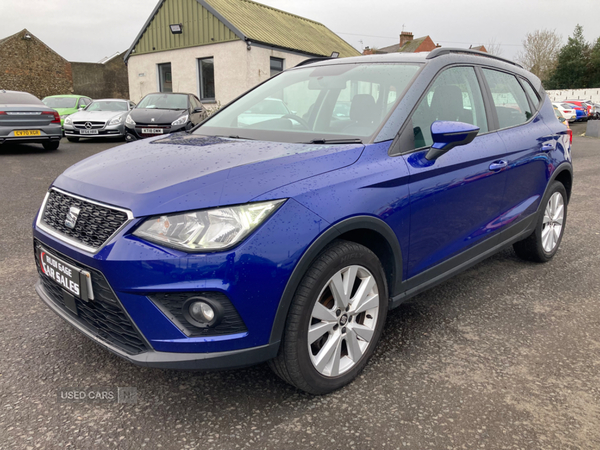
(335, 141)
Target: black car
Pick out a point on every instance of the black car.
(24, 119)
(163, 113)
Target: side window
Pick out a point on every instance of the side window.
(535, 100)
(509, 97)
(276, 65)
(454, 96)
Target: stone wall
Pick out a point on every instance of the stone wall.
(27, 64)
(108, 80)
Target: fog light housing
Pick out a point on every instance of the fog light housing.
(202, 312)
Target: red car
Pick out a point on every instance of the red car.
(582, 104)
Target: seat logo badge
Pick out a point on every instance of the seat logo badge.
(72, 217)
(88, 125)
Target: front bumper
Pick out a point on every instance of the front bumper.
(169, 360)
(110, 131)
(252, 276)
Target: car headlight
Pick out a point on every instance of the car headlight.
(206, 230)
(68, 120)
(129, 121)
(181, 120)
(116, 120)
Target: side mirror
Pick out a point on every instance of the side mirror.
(81, 108)
(447, 135)
(198, 110)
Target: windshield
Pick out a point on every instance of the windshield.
(164, 101)
(326, 103)
(107, 106)
(60, 102)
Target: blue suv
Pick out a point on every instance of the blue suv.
(287, 237)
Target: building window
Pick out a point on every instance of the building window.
(165, 81)
(276, 65)
(206, 71)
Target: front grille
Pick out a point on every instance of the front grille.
(93, 125)
(95, 223)
(104, 316)
(171, 305)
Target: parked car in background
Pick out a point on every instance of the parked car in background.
(66, 104)
(595, 112)
(581, 112)
(584, 104)
(24, 118)
(101, 118)
(290, 239)
(163, 113)
(566, 110)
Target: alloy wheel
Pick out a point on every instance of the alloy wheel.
(553, 222)
(343, 321)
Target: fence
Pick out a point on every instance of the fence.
(592, 94)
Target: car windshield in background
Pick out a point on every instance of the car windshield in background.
(60, 102)
(326, 103)
(164, 101)
(107, 106)
(18, 98)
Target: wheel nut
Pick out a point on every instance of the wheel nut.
(344, 330)
(338, 312)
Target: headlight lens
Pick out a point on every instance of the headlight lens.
(129, 120)
(116, 120)
(181, 120)
(213, 229)
(68, 120)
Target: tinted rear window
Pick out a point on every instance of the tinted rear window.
(18, 98)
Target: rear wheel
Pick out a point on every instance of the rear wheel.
(51, 145)
(543, 243)
(335, 320)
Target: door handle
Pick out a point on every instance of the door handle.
(547, 147)
(498, 165)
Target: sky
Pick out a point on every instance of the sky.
(89, 30)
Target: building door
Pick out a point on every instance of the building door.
(165, 82)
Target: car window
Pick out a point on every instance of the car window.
(338, 101)
(20, 98)
(535, 100)
(164, 101)
(107, 105)
(60, 102)
(509, 98)
(84, 101)
(454, 96)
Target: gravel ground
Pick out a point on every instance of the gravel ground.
(503, 356)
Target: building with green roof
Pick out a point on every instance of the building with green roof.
(219, 49)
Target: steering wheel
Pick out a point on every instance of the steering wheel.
(298, 119)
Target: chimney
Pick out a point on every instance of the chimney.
(405, 36)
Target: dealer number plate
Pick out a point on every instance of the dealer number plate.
(75, 281)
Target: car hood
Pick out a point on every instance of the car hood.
(103, 116)
(184, 172)
(65, 111)
(160, 116)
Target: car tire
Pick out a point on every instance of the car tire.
(342, 339)
(51, 145)
(73, 139)
(543, 243)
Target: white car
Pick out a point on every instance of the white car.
(100, 119)
(566, 110)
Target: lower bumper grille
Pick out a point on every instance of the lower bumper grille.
(104, 316)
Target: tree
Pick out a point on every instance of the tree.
(540, 52)
(595, 65)
(573, 64)
(493, 48)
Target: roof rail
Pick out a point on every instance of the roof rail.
(448, 50)
(313, 60)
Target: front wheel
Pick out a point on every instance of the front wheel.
(335, 320)
(543, 243)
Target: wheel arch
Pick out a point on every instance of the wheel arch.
(564, 174)
(369, 231)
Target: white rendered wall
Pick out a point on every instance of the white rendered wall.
(237, 69)
(575, 94)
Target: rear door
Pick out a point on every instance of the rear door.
(528, 140)
(456, 198)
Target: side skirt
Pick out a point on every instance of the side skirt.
(464, 261)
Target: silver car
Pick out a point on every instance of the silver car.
(24, 118)
(101, 118)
